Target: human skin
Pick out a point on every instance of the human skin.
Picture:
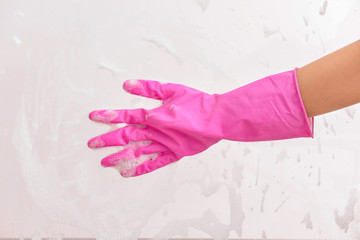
(331, 82)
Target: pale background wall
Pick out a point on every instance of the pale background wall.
(59, 60)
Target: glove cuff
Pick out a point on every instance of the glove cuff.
(270, 108)
(309, 120)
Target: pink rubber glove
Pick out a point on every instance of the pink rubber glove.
(189, 121)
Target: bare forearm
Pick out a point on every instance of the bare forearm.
(331, 82)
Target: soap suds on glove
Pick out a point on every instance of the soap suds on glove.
(97, 143)
(131, 84)
(127, 166)
(106, 116)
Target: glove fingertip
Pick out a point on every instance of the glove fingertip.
(96, 142)
(131, 84)
(91, 115)
(105, 163)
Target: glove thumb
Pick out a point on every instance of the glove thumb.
(146, 88)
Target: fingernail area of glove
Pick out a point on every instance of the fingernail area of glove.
(96, 142)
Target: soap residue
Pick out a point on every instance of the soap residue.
(17, 41)
(257, 171)
(350, 112)
(246, 151)
(307, 221)
(209, 222)
(281, 204)
(305, 21)
(19, 13)
(164, 43)
(323, 8)
(268, 32)
(332, 129)
(203, 4)
(263, 235)
(110, 66)
(2, 71)
(281, 156)
(325, 121)
(344, 220)
(263, 198)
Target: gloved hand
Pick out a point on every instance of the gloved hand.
(190, 121)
